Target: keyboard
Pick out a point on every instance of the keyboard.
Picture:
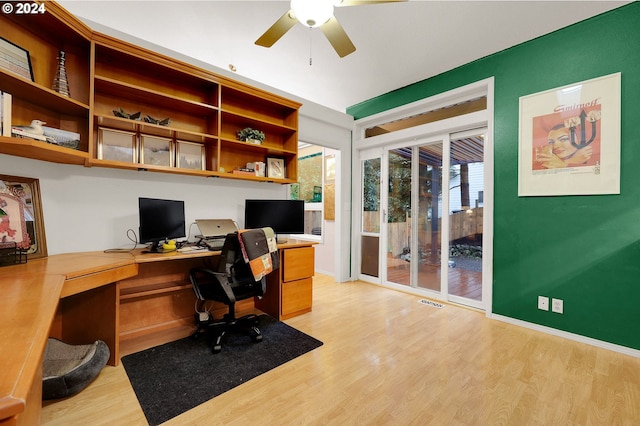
(190, 249)
(213, 245)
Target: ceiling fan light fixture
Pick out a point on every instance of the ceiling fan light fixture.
(312, 13)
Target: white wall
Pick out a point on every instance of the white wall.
(88, 209)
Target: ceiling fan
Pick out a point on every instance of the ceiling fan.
(313, 14)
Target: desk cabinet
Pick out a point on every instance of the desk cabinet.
(289, 290)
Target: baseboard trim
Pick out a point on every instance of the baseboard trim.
(567, 335)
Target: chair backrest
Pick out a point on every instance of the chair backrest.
(232, 263)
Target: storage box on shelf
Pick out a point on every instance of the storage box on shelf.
(43, 36)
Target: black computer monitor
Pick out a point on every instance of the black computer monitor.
(284, 216)
(160, 220)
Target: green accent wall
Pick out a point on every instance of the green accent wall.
(582, 249)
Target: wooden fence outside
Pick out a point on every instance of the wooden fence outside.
(466, 223)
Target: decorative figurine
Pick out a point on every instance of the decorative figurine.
(60, 82)
(35, 128)
(32, 131)
(122, 114)
(164, 122)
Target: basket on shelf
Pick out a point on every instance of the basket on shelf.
(10, 254)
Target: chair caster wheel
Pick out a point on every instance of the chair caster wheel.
(256, 334)
(216, 349)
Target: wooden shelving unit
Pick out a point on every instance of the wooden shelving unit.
(205, 110)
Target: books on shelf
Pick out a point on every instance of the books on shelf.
(5, 114)
(244, 171)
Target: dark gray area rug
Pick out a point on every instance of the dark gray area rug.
(175, 377)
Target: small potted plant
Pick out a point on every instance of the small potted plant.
(251, 135)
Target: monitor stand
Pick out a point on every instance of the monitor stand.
(155, 248)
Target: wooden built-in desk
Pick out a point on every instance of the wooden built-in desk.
(129, 300)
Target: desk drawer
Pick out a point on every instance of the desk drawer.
(296, 297)
(297, 263)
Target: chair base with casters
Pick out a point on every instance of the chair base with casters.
(216, 330)
(234, 280)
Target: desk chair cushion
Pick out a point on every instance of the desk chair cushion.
(68, 369)
(260, 251)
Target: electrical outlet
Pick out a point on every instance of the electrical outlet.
(543, 303)
(557, 306)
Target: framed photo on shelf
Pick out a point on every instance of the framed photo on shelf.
(189, 155)
(276, 168)
(569, 141)
(116, 145)
(21, 220)
(156, 151)
(15, 59)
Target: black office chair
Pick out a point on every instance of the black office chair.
(234, 280)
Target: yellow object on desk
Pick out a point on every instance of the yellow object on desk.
(169, 245)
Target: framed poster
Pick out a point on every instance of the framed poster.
(15, 59)
(21, 219)
(569, 141)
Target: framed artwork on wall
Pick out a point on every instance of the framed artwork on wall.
(21, 219)
(569, 139)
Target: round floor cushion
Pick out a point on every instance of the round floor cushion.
(67, 369)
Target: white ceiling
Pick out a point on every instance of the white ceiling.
(397, 43)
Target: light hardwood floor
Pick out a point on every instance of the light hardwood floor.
(389, 360)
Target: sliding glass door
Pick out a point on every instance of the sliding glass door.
(413, 232)
(428, 233)
(466, 207)
(370, 217)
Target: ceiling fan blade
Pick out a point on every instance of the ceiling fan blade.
(337, 37)
(363, 2)
(277, 30)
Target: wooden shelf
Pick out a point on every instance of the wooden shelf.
(150, 290)
(106, 74)
(19, 87)
(230, 175)
(42, 151)
(265, 148)
(146, 96)
(148, 168)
